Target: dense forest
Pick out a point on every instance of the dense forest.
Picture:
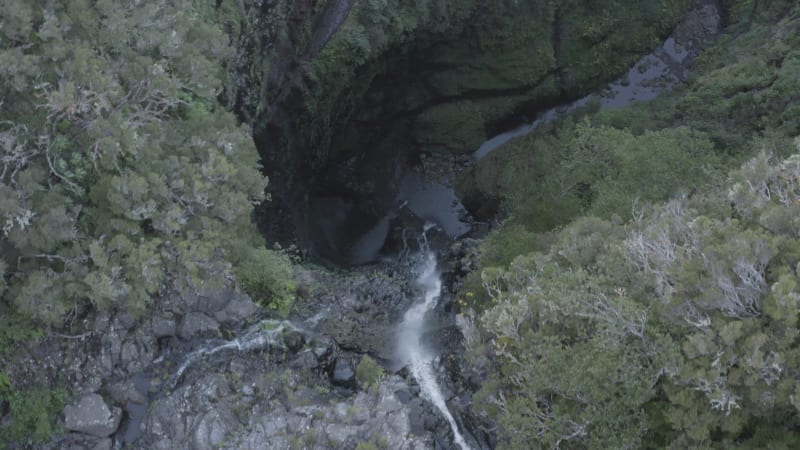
(639, 286)
(123, 178)
(643, 291)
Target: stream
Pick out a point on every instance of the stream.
(412, 350)
(664, 68)
(334, 412)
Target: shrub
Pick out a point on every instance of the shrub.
(32, 413)
(268, 277)
(368, 372)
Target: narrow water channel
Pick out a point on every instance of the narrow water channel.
(412, 351)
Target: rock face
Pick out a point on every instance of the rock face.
(350, 91)
(91, 415)
(344, 374)
(297, 388)
(214, 412)
(196, 324)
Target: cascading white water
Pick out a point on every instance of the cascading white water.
(261, 335)
(410, 347)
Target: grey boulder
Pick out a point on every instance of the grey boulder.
(197, 324)
(91, 415)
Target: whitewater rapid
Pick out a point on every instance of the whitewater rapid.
(411, 349)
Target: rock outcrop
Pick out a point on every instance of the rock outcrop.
(91, 415)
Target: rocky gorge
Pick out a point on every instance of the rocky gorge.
(364, 113)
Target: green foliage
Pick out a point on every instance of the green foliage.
(530, 52)
(547, 327)
(122, 179)
(126, 179)
(603, 171)
(366, 446)
(736, 103)
(3, 268)
(590, 31)
(368, 372)
(268, 276)
(678, 329)
(32, 413)
(376, 442)
(15, 330)
(501, 246)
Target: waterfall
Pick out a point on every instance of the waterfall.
(261, 335)
(412, 351)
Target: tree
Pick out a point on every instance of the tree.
(677, 329)
(121, 176)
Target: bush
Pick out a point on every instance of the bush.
(32, 413)
(368, 372)
(268, 277)
(506, 243)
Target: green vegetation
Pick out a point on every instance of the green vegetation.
(643, 290)
(376, 442)
(738, 99)
(368, 372)
(676, 329)
(30, 412)
(598, 170)
(526, 52)
(267, 276)
(122, 178)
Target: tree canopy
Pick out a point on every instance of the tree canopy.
(121, 176)
(678, 328)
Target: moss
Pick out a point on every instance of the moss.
(375, 442)
(531, 57)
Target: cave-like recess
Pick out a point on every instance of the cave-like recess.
(343, 95)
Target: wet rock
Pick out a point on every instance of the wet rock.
(305, 361)
(239, 309)
(344, 374)
(103, 444)
(126, 321)
(403, 395)
(417, 421)
(111, 349)
(283, 409)
(77, 441)
(207, 301)
(91, 415)
(163, 326)
(132, 356)
(361, 305)
(192, 417)
(294, 340)
(324, 349)
(214, 388)
(125, 391)
(213, 429)
(197, 324)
